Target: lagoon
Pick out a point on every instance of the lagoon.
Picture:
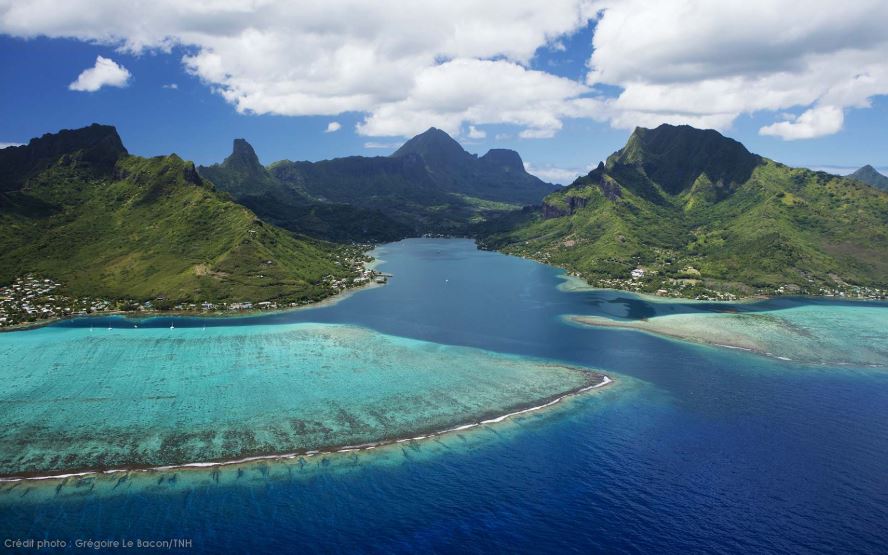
(74, 400)
(694, 448)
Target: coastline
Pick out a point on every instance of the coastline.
(600, 322)
(144, 314)
(574, 284)
(596, 381)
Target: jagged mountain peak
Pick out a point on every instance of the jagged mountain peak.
(243, 156)
(99, 146)
(674, 156)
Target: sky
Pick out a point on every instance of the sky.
(563, 82)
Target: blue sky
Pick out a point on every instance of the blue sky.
(580, 107)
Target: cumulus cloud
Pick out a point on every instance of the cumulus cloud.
(448, 94)
(705, 63)
(458, 63)
(333, 127)
(816, 122)
(171, 86)
(106, 72)
(376, 58)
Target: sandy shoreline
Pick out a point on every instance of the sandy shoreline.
(595, 382)
(646, 327)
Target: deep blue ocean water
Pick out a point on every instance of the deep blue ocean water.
(695, 449)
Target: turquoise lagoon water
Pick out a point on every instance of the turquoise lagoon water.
(696, 448)
(834, 335)
(77, 399)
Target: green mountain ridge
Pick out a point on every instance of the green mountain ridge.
(290, 206)
(497, 176)
(695, 210)
(430, 185)
(870, 176)
(76, 207)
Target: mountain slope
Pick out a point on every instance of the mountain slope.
(431, 185)
(870, 176)
(400, 188)
(498, 176)
(105, 223)
(696, 210)
(291, 207)
(241, 174)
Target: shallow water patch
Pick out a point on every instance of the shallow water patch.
(73, 399)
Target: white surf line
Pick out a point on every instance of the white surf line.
(748, 350)
(733, 347)
(346, 449)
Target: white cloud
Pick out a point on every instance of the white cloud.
(460, 63)
(171, 86)
(816, 122)
(475, 133)
(705, 63)
(7, 145)
(448, 94)
(375, 145)
(369, 57)
(106, 72)
(561, 176)
(333, 127)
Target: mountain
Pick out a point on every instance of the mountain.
(870, 176)
(430, 185)
(290, 206)
(497, 176)
(77, 208)
(98, 145)
(696, 211)
(399, 188)
(241, 174)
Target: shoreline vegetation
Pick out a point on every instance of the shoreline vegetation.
(369, 278)
(573, 282)
(595, 381)
(690, 290)
(216, 314)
